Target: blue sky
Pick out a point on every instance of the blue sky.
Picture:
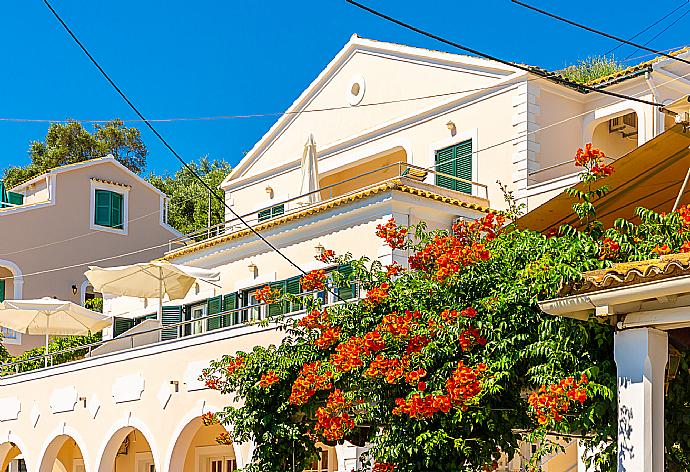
(179, 58)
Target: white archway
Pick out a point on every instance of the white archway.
(13, 441)
(17, 278)
(50, 450)
(114, 439)
(184, 434)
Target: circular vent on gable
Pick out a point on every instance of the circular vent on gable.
(355, 91)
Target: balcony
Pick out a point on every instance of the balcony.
(347, 185)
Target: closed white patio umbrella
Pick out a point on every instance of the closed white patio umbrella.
(310, 171)
(49, 316)
(149, 280)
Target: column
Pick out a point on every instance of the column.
(641, 355)
(349, 456)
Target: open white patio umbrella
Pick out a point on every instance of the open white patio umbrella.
(310, 171)
(149, 280)
(49, 316)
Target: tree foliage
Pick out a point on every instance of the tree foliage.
(69, 143)
(450, 362)
(188, 209)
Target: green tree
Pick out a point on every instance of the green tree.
(188, 209)
(69, 143)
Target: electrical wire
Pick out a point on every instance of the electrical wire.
(543, 128)
(647, 29)
(165, 142)
(238, 217)
(596, 31)
(547, 75)
(665, 29)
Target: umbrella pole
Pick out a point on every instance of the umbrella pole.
(47, 330)
(160, 299)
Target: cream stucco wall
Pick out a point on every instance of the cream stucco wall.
(51, 244)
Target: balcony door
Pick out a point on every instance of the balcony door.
(198, 323)
(221, 464)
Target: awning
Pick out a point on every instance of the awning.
(651, 176)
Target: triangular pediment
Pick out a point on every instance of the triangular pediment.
(369, 84)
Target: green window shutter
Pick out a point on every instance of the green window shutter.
(171, 315)
(463, 165)
(116, 210)
(293, 286)
(348, 290)
(277, 210)
(15, 198)
(455, 161)
(121, 325)
(213, 307)
(275, 309)
(2, 290)
(264, 215)
(445, 165)
(230, 303)
(103, 215)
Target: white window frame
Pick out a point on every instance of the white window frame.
(203, 454)
(143, 462)
(203, 322)
(78, 463)
(122, 190)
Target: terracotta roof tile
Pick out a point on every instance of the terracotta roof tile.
(630, 273)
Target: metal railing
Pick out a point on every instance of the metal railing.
(404, 170)
(14, 367)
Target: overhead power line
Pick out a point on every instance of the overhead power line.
(599, 32)
(548, 75)
(167, 145)
(647, 29)
(662, 31)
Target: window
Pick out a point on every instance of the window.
(247, 299)
(455, 161)
(108, 209)
(221, 464)
(272, 212)
(2, 290)
(198, 312)
(321, 464)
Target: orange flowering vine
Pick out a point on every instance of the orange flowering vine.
(315, 319)
(608, 249)
(551, 402)
(383, 467)
(685, 247)
(327, 255)
(328, 337)
(377, 295)
(393, 234)
(208, 419)
(592, 159)
(224, 439)
(308, 382)
(268, 379)
(470, 338)
(333, 421)
(661, 250)
(267, 294)
(314, 281)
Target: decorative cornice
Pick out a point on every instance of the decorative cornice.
(395, 184)
(110, 182)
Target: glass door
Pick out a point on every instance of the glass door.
(198, 312)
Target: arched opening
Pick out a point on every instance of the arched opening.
(327, 460)
(196, 450)
(11, 458)
(617, 135)
(63, 455)
(127, 451)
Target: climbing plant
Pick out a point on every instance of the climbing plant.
(449, 363)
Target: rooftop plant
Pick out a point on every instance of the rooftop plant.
(592, 68)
